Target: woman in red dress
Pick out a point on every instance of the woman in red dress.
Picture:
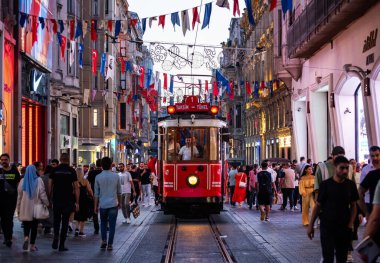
(240, 187)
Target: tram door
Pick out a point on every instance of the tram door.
(161, 152)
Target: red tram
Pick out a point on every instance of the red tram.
(191, 158)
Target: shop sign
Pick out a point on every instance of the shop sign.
(370, 42)
(285, 141)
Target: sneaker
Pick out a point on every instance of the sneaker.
(81, 234)
(267, 218)
(62, 249)
(128, 221)
(292, 209)
(76, 232)
(26, 244)
(262, 216)
(109, 247)
(103, 245)
(296, 208)
(125, 221)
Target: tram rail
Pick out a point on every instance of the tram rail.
(170, 248)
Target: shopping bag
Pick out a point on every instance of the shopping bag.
(279, 199)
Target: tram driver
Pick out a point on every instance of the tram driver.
(185, 151)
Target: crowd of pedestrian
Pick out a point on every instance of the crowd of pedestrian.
(63, 198)
(339, 194)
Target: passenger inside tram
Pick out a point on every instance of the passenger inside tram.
(185, 151)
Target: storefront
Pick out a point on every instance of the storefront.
(339, 94)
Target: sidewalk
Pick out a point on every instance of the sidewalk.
(283, 236)
(80, 249)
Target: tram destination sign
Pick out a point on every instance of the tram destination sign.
(192, 104)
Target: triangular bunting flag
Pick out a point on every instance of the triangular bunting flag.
(175, 19)
(236, 8)
(195, 16)
(109, 25)
(143, 21)
(117, 28)
(161, 21)
(42, 22)
(79, 30)
(72, 28)
(273, 5)
(251, 19)
(207, 16)
(185, 21)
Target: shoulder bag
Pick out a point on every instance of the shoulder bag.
(40, 211)
(241, 183)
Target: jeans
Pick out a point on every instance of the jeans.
(288, 193)
(7, 211)
(146, 193)
(30, 228)
(336, 239)
(156, 195)
(61, 214)
(108, 216)
(296, 196)
(125, 207)
(232, 190)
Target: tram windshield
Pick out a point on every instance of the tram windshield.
(191, 144)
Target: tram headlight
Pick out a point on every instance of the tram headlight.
(214, 110)
(171, 109)
(192, 180)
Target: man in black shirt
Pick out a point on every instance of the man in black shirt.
(368, 184)
(91, 178)
(136, 178)
(145, 185)
(336, 208)
(9, 179)
(62, 185)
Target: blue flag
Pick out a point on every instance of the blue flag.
(61, 26)
(171, 87)
(80, 54)
(221, 79)
(59, 37)
(175, 19)
(42, 22)
(148, 77)
(103, 64)
(117, 28)
(128, 66)
(286, 5)
(22, 19)
(207, 16)
(251, 19)
(256, 89)
(144, 24)
(79, 29)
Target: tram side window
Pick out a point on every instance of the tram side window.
(172, 145)
(214, 149)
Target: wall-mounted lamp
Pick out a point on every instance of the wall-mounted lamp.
(346, 111)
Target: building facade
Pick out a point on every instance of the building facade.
(269, 129)
(336, 57)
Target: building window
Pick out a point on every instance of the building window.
(107, 7)
(65, 125)
(95, 118)
(95, 8)
(70, 6)
(75, 129)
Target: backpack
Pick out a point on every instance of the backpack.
(264, 179)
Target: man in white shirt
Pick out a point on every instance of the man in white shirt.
(126, 190)
(185, 151)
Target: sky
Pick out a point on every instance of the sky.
(214, 35)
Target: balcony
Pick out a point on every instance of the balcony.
(320, 22)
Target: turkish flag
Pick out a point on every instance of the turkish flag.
(63, 46)
(232, 93)
(94, 24)
(215, 90)
(195, 16)
(34, 30)
(72, 26)
(109, 25)
(248, 89)
(94, 61)
(165, 81)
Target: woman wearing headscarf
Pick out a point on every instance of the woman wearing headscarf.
(30, 190)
